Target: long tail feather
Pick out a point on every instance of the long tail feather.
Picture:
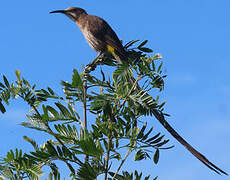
(160, 117)
(121, 57)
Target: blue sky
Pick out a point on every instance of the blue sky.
(193, 37)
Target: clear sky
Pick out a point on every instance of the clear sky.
(193, 37)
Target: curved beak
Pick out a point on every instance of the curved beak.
(59, 11)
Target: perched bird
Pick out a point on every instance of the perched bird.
(101, 37)
(97, 32)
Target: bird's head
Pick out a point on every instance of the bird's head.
(72, 12)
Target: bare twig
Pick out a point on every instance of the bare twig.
(107, 158)
(122, 162)
(90, 67)
(84, 102)
(84, 108)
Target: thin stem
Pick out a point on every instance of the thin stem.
(107, 158)
(84, 108)
(90, 67)
(122, 162)
(84, 102)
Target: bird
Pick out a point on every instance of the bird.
(97, 32)
(102, 38)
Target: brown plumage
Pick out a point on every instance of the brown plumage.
(103, 39)
(97, 32)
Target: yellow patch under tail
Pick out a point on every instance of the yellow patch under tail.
(111, 50)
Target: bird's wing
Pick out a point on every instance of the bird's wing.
(102, 31)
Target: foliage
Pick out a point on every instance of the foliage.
(113, 102)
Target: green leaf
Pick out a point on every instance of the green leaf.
(2, 108)
(66, 152)
(156, 156)
(139, 155)
(50, 148)
(162, 143)
(140, 135)
(96, 131)
(137, 176)
(103, 75)
(76, 79)
(18, 74)
(60, 153)
(2, 85)
(147, 177)
(130, 43)
(45, 116)
(147, 134)
(87, 172)
(52, 111)
(162, 104)
(51, 91)
(6, 81)
(63, 109)
(157, 140)
(46, 93)
(89, 147)
(154, 137)
(135, 131)
(71, 168)
(32, 142)
(159, 68)
(142, 44)
(145, 49)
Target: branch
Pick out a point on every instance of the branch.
(84, 102)
(122, 162)
(90, 67)
(84, 108)
(107, 159)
